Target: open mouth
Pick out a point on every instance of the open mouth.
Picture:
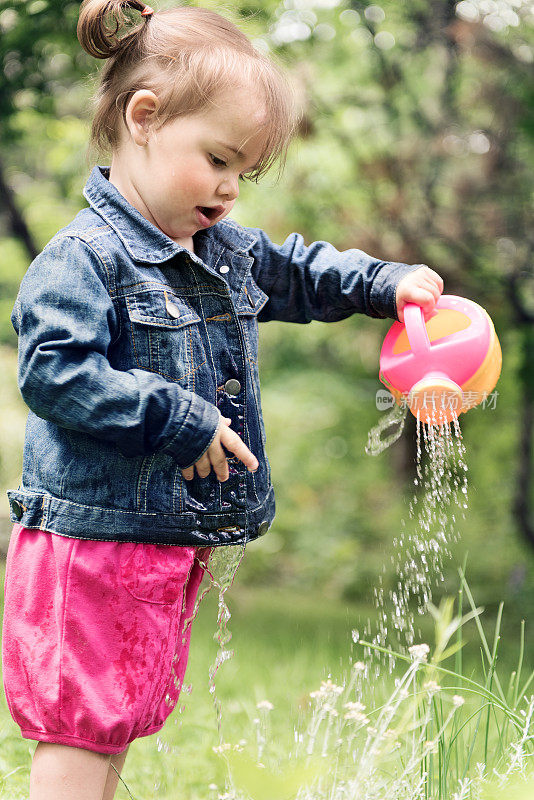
(208, 214)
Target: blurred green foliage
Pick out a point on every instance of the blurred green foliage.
(415, 145)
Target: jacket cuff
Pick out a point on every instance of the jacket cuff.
(196, 433)
(385, 287)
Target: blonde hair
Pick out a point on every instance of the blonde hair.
(187, 56)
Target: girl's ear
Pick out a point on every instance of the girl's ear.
(140, 115)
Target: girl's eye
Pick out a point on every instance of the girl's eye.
(218, 162)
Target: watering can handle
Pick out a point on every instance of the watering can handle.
(416, 329)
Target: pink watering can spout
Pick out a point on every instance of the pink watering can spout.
(443, 366)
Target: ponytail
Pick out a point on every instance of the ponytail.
(188, 56)
(101, 22)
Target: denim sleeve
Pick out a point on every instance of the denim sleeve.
(65, 320)
(319, 282)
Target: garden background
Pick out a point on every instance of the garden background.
(415, 145)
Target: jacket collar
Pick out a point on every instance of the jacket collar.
(143, 241)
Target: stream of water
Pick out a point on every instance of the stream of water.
(425, 535)
(221, 570)
(220, 565)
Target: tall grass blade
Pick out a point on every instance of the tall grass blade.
(519, 663)
(481, 633)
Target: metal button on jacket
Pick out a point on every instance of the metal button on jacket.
(263, 527)
(224, 269)
(17, 509)
(173, 310)
(232, 386)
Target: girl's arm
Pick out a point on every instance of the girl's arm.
(322, 283)
(65, 320)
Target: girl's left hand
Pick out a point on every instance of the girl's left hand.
(423, 287)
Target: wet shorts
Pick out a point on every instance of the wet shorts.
(95, 636)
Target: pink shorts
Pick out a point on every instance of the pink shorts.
(96, 636)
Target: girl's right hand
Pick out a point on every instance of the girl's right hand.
(216, 458)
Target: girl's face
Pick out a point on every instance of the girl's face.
(184, 177)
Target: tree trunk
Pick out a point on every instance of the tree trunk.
(523, 511)
(16, 222)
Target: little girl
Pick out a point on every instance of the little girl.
(138, 360)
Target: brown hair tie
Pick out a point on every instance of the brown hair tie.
(147, 11)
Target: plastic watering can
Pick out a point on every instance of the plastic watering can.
(444, 366)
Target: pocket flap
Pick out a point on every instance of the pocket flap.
(251, 299)
(160, 307)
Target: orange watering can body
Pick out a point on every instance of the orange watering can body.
(444, 366)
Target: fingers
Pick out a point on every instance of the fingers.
(425, 298)
(236, 445)
(435, 278)
(218, 461)
(433, 289)
(203, 465)
(423, 287)
(426, 278)
(189, 473)
(215, 458)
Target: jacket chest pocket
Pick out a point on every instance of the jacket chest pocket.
(165, 334)
(251, 301)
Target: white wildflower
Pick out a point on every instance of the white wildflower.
(327, 688)
(355, 706)
(358, 666)
(329, 709)
(222, 748)
(419, 652)
(463, 793)
(265, 704)
(458, 700)
(431, 687)
(356, 715)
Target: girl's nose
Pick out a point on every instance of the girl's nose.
(229, 187)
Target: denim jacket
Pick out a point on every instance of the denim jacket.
(130, 349)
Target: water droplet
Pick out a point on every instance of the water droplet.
(376, 443)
